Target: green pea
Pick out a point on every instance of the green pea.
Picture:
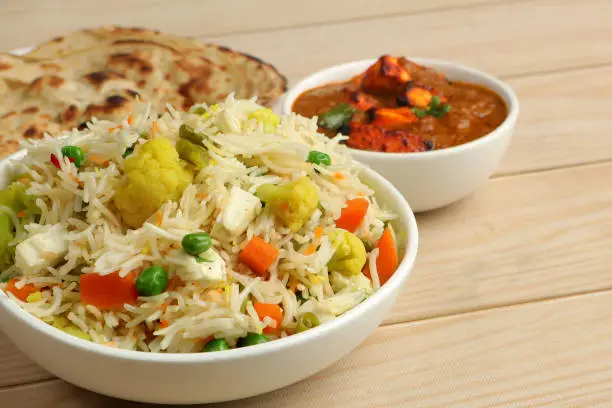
(320, 158)
(196, 243)
(216, 345)
(75, 153)
(307, 321)
(152, 281)
(252, 339)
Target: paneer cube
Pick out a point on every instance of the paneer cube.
(386, 76)
(41, 250)
(241, 208)
(208, 268)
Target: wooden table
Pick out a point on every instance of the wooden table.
(510, 304)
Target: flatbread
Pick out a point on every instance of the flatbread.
(102, 72)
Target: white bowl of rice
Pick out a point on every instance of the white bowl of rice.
(101, 287)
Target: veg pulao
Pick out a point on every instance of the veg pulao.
(222, 227)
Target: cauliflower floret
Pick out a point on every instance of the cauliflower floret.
(267, 117)
(351, 283)
(154, 175)
(350, 254)
(293, 203)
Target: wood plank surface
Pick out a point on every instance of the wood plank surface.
(505, 39)
(510, 299)
(518, 239)
(564, 120)
(37, 21)
(547, 354)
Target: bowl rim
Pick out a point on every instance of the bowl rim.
(507, 94)
(403, 271)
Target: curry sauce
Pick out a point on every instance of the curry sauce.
(400, 106)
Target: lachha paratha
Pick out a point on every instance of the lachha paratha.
(101, 72)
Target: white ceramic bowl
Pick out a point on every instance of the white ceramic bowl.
(433, 179)
(220, 376)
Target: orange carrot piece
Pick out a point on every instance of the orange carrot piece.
(312, 248)
(339, 176)
(154, 129)
(387, 261)
(22, 214)
(163, 324)
(272, 311)
(23, 293)
(108, 292)
(258, 255)
(353, 214)
(318, 232)
(130, 120)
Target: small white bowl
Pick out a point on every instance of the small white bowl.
(433, 179)
(220, 376)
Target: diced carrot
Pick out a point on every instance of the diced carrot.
(130, 120)
(339, 176)
(154, 129)
(23, 293)
(163, 324)
(22, 214)
(108, 292)
(318, 232)
(258, 255)
(272, 311)
(353, 214)
(386, 262)
(312, 248)
(201, 196)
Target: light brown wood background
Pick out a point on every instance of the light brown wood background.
(510, 304)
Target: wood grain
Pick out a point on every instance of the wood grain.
(510, 298)
(548, 354)
(503, 39)
(16, 368)
(518, 239)
(39, 21)
(564, 120)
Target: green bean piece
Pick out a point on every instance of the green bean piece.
(193, 153)
(128, 151)
(186, 132)
(307, 321)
